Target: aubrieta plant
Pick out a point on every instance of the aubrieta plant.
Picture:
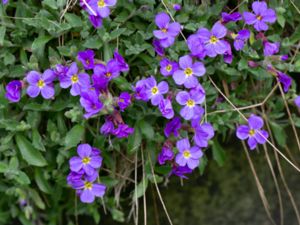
(165, 103)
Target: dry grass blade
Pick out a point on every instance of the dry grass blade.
(144, 188)
(135, 186)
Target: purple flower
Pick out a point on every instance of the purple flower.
(101, 7)
(166, 109)
(124, 100)
(166, 154)
(180, 171)
(297, 101)
(253, 131)
(60, 71)
(86, 161)
(213, 43)
(284, 57)
(271, 48)
(4, 2)
(96, 21)
(109, 71)
(73, 177)
(228, 57)
(260, 17)
(188, 155)
(167, 31)
(123, 66)
(40, 83)
(89, 100)
(78, 82)
(176, 7)
(141, 90)
(167, 67)
(158, 48)
(203, 133)
(100, 83)
(87, 189)
(155, 91)
(173, 126)
(240, 38)
(285, 80)
(13, 91)
(123, 131)
(196, 46)
(86, 58)
(226, 17)
(108, 127)
(188, 72)
(190, 102)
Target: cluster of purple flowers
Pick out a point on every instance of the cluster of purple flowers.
(97, 10)
(84, 173)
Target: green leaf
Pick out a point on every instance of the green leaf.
(39, 43)
(37, 140)
(140, 189)
(74, 136)
(2, 34)
(73, 20)
(146, 129)
(279, 134)
(41, 181)
(22, 178)
(30, 154)
(134, 140)
(218, 153)
(3, 167)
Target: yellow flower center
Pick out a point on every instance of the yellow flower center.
(190, 103)
(169, 67)
(213, 39)
(186, 154)
(251, 132)
(164, 30)
(233, 35)
(88, 185)
(259, 17)
(154, 90)
(108, 75)
(188, 72)
(40, 83)
(121, 100)
(101, 3)
(74, 78)
(86, 160)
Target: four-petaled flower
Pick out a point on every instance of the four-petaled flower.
(101, 7)
(240, 38)
(86, 58)
(167, 67)
(90, 101)
(109, 71)
(155, 91)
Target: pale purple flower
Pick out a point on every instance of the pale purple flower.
(166, 109)
(240, 39)
(203, 133)
(285, 80)
(90, 101)
(13, 91)
(86, 58)
(166, 154)
(212, 40)
(77, 81)
(253, 132)
(167, 67)
(155, 91)
(41, 83)
(173, 127)
(101, 7)
(176, 7)
(140, 90)
(261, 16)
(4, 2)
(167, 31)
(271, 48)
(86, 161)
(124, 100)
(196, 46)
(188, 155)
(60, 71)
(226, 17)
(297, 101)
(108, 127)
(123, 131)
(228, 56)
(188, 72)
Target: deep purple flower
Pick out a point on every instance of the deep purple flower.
(176, 7)
(86, 58)
(166, 109)
(271, 48)
(188, 155)
(124, 100)
(41, 83)
(101, 7)
(180, 171)
(89, 100)
(166, 154)
(167, 67)
(78, 81)
(109, 71)
(108, 127)
(284, 57)
(228, 56)
(123, 66)
(240, 38)
(13, 91)
(73, 177)
(167, 31)
(260, 17)
(60, 71)
(196, 46)
(155, 91)
(100, 83)
(87, 189)
(253, 131)
(123, 131)
(226, 17)
(158, 48)
(96, 21)
(203, 133)
(212, 40)
(172, 127)
(285, 80)
(191, 102)
(140, 90)
(297, 101)
(188, 72)
(86, 161)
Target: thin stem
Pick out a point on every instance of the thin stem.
(144, 186)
